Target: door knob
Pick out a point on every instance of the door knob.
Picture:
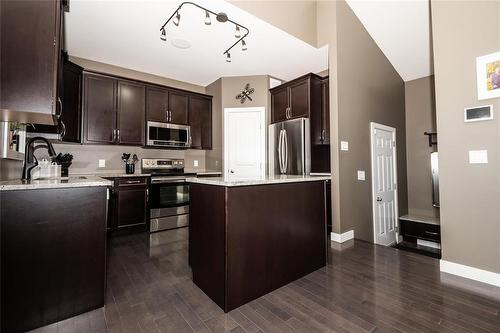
(231, 171)
(379, 199)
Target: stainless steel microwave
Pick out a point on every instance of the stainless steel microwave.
(168, 135)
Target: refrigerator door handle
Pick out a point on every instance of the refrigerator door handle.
(280, 147)
(285, 159)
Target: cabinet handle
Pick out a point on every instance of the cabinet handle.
(170, 116)
(133, 181)
(166, 116)
(114, 136)
(63, 130)
(431, 233)
(290, 111)
(60, 108)
(323, 135)
(117, 135)
(147, 195)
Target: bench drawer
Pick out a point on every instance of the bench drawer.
(420, 230)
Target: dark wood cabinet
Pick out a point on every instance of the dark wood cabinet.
(320, 119)
(99, 109)
(156, 104)
(131, 110)
(30, 54)
(53, 255)
(279, 104)
(129, 203)
(200, 119)
(178, 108)
(70, 121)
(295, 99)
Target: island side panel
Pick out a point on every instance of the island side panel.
(275, 235)
(207, 239)
(53, 255)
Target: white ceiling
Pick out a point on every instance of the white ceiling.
(126, 33)
(401, 29)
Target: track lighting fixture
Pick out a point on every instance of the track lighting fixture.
(207, 18)
(163, 35)
(177, 19)
(221, 17)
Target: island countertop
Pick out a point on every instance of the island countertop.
(82, 181)
(269, 179)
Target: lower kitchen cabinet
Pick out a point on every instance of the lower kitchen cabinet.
(53, 245)
(129, 203)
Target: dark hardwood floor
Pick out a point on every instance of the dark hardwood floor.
(364, 288)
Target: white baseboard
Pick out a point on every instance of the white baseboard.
(341, 238)
(470, 272)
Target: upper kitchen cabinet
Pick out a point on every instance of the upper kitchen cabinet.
(71, 115)
(113, 110)
(29, 61)
(99, 109)
(296, 98)
(200, 119)
(131, 109)
(166, 106)
(320, 119)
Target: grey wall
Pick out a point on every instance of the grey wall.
(470, 194)
(224, 91)
(420, 105)
(369, 90)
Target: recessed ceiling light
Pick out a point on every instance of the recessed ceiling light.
(180, 43)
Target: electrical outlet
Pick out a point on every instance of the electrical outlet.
(478, 156)
(195, 163)
(102, 163)
(361, 175)
(344, 145)
(216, 162)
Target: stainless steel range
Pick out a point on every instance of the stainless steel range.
(169, 193)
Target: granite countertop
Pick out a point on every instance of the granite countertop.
(270, 179)
(64, 182)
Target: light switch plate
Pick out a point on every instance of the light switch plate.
(102, 163)
(344, 145)
(478, 156)
(361, 175)
(195, 163)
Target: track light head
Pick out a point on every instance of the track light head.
(163, 35)
(177, 19)
(207, 18)
(228, 57)
(243, 45)
(237, 33)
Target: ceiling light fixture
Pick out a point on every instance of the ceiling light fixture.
(177, 19)
(207, 18)
(221, 17)
(163, 35)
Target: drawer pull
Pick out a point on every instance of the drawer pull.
(133, 181)
(432, 233)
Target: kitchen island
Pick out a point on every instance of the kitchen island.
(53, 246)
(249, 237)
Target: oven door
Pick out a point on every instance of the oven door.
(169, 135)
(169, 193)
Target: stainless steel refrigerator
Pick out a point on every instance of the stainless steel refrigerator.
(290, 147)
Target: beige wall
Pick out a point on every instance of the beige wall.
(298, 18)
(469, 194)
(420, 105)
(224, 91)
(369, 90)
(129, 73)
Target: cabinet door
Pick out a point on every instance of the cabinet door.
(178, 108)
(70, 121)
(279, 104)
(200, 120)
(156, 104)
(131, 108)
(325, 111)
(30, 58)
(99, 108)
(131, 205)
(299, 99)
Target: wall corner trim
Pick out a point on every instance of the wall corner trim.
(470, 272)
(341, 238)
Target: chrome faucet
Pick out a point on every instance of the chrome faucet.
(30, 160)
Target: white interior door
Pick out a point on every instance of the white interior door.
(384, 184)
(244, 142)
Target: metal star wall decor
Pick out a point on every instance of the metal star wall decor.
(245, 94)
